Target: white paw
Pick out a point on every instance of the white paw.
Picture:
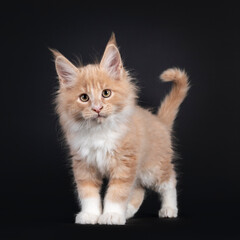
(112, 219)
(168, 212)
(131, 210)
(86, 218)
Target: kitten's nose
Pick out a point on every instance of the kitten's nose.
(97, 109)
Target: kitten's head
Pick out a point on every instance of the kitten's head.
(94, 92)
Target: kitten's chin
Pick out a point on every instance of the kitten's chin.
(100, 119)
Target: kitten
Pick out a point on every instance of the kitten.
(109, 135)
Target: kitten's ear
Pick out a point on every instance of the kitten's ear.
(67, 72)
(111, 60)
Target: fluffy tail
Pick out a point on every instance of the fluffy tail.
(169, 107)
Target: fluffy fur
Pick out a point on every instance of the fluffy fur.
(115, 138)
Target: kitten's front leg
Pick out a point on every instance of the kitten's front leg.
(88, 186)
(116, 199)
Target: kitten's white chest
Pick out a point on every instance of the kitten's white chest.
(98, 149)
(96, 145)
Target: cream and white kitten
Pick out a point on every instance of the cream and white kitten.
(109, 135)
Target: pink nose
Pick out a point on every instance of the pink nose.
(97, 109)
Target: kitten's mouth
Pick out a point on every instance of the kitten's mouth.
(100, 116)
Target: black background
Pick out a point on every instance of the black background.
(36, 192)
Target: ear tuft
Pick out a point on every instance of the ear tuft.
(112, 39)
(55, 52)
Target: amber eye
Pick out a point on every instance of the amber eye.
(84, 97)
(106, 93)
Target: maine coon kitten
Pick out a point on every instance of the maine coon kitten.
(109, 135)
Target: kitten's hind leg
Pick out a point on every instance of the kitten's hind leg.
(135, 201)
(168, 195)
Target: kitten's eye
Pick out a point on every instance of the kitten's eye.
(106, 93)
(84, 97)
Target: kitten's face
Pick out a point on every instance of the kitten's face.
(94, 92)
(95, 96)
